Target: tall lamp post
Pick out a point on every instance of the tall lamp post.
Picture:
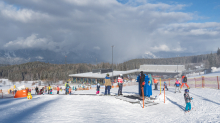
(112, 62)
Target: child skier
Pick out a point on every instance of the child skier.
(177, 85)
(70, 90)
(187, 100)
(165, 84)
(98, 88)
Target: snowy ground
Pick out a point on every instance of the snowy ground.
(93, 108)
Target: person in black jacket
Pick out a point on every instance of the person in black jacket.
(142, 79)
(98, 88)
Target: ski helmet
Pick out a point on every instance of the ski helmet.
(186, 90)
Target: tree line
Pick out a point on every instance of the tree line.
(53, 72)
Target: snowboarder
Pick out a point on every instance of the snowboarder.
(120, 84)
(177, 85)
(187, 100)
(107, 84)
(184, 81)
(98, 88)
(155, 83)
(165, 84)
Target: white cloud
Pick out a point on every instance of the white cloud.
(96, 48)
(30, 42)
(134, 28)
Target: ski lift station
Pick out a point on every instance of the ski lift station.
(99, 75)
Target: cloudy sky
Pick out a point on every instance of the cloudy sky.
(134, 27)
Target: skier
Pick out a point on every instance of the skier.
(187, 100)
(67, 87)
(107, 85)
(165, 84)
(120, 84)
(49, 87)
(177, 85)
(58, 89)
(70, 90)
(98, 88)
(36, 90)
(184, 81)
(155, 84)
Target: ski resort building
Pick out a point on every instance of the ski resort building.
(98, 75)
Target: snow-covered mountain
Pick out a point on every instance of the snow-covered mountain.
(23, 56)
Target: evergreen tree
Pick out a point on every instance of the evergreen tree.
(218, 51)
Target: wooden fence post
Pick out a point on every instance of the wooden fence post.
(169, 81)
(195, 82)
(203, 81)
(218, 82)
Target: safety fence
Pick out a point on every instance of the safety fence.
(5, 94)
(197, 82)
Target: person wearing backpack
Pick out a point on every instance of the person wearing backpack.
(177, 85)
(107, 84)
(184, 81)
(187, 100)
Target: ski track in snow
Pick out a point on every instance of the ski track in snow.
(93, 108)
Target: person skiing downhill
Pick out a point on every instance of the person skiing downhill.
(177, 85)
(187, 100)
(120, 84)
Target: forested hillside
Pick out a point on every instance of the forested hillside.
(55, 72)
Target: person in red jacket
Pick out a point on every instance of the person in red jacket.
(155, 83)
(120, 84)
(184, 81)
(58, 89)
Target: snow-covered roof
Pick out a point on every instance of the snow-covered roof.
(103, 75)
(116, 73)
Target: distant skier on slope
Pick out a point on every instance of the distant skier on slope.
(187, 100)
(184, 81)
(98, 88)
(177, 85)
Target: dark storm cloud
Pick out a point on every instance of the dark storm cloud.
(88, 25)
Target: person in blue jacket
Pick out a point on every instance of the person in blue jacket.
(146, 83)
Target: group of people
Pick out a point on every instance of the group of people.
(178, 85)
(108, 84)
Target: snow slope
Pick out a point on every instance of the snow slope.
(93, 108)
